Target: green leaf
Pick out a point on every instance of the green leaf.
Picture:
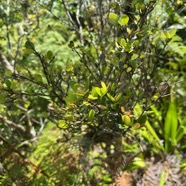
(170, 127)
(134, 56)
(110, 97)
(8, 72)
(104, 86)
(162, 178)
(129, 69)
(136, 126)
(113, 18)
(91, 115)
(181, 130)
(91, 97)
(28, 50)
(102, 107)
(49, 55)
(38, 78)
(173, 65)
(139, 162)
(126, 120)
(166, 33)
(27, 104)
(72, 96)
(62, 124)
(29, 45)
(154, 135)
(103, 89)
(98, 91)
(156, 112)
(172, 32)
(69, 68)
(8, 83)
(2, 99)
(122, 42)
(142, 119)
(69, 116)
(14, 85)
(95, 91)
(123, 20)
(74, 85)
(118, 96)
(126, 44)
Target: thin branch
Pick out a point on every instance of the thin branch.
(11, 123)
(6, 63)
(21, 36)
(69, 16)
(84, 62)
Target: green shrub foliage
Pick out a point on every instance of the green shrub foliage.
(87, 84)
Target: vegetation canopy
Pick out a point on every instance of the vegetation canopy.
(92, 92)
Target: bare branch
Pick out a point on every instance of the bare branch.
(6, 63)
(11, 123)
(69, 16)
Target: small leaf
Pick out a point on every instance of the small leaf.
(94, 91)
(38, 78)
(103, 89)
(172, 32)
(28, 50)
(8, 72)
(123, 20)
(142, 119)
(113, 18)
(74, 85)
(181, 130)
(129, 69)
(123, 109)
(122, 42)
(91, 115)
(72, 96)
(69, 116)
(126, 120)
(110, 97)
(166, 33)
(2, 99)
(134, 56)
(91, 97)
(136, 126)
(102, 107)
(173, 65)
(71, 44)
(139, 162)
(104, 86)
(86, 103)
(29, 45)
(14, 84)
(8, 83)
(27, 104)
(49, 55)
(62, 124)
(69, 68)
(118, 96)
(98, 91)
